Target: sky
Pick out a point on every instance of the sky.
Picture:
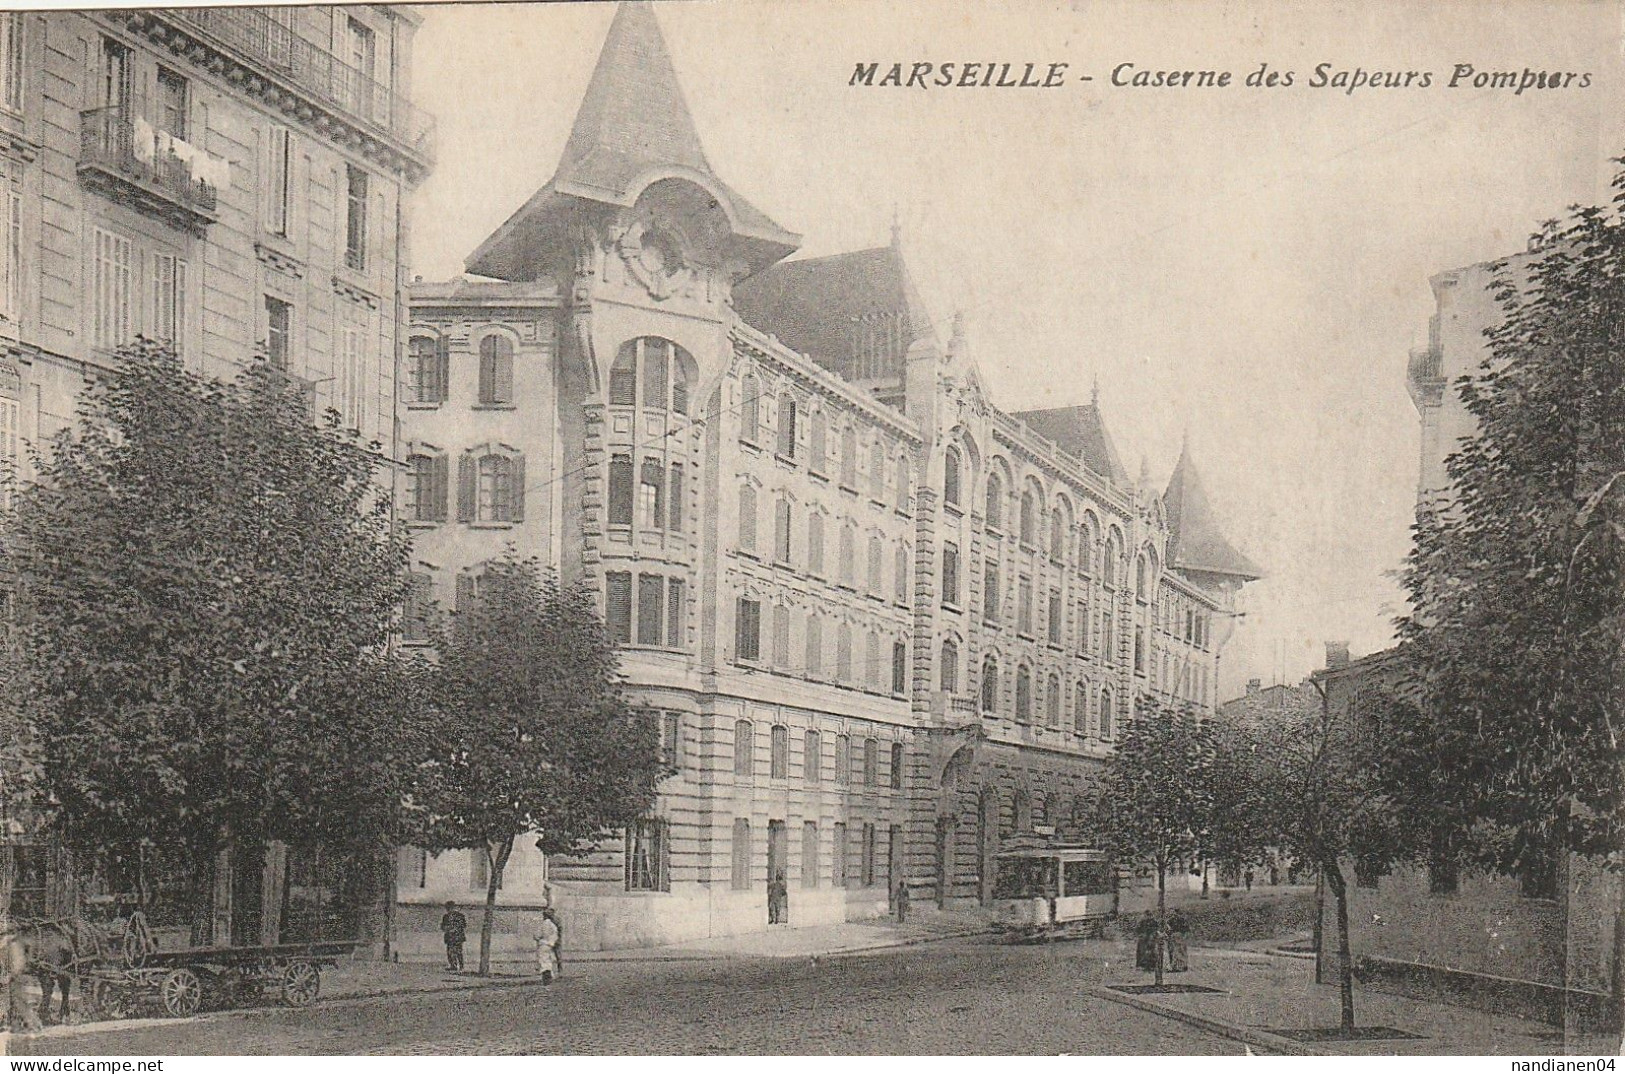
(1245, 267)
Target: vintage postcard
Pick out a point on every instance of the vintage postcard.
(762, 527)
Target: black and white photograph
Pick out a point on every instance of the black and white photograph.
(813, 527)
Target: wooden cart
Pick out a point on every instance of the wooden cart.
(184, 980)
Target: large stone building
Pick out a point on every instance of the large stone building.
(883, 623)
(1545, 942)
(230, 180)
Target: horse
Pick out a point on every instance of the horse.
(47, 950)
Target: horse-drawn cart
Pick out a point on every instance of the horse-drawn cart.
(183, 980)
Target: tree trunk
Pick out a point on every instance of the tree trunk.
(496, 860)
(1320, 918)
(1162, 914)
(1204, 878)
(202, 895)
(1345, 964)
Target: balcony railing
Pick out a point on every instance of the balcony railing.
(314, 69)
(115, 144)
(1426, 366)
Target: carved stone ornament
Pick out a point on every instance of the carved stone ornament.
(653, 257)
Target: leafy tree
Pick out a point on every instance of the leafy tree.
(1329, 803)
(206, 585)
(534, 734)
(1156, 800)
(1518, 628)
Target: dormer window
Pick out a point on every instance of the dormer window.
(655, 368)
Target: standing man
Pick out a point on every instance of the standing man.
(902, 902)
(454, 927)
(778, 899)
(547, 946)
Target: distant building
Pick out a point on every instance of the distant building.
(883, 625)
(233, 181)
(1543, 942)
(1264, 706)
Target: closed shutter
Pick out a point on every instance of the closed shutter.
(516, 478)
(467, 480)
(674, 614)
(439, 475)
(504, 373)
(440, 382)
(676, 493)
(618, 606)
(651, 613)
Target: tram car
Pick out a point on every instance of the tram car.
(1052, 892)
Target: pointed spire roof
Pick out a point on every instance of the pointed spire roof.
(633, 127)
(1195, 541)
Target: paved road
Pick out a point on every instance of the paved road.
(962, 996)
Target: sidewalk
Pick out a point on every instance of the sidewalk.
(1260, 996)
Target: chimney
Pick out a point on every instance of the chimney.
(1337, 654)
(1253, 686)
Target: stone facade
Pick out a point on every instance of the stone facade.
(883, 624)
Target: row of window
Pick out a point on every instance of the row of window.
(870, 673)
(490, 485)
(864, 762)
(787, 445)
(131, 290)
(786, 551)
(283, 200)
(648, 494)
(428, 370)
(1093, 720)
(652, 612)
(868, 873)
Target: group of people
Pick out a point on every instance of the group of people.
(1178, 942)
(548, 937)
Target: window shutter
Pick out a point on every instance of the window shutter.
(466, 479)
(441, 382)
(439, 474)
(516, 475)
(504, 375)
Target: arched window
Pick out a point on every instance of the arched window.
(1024, 694)
(815, 543)
(1108, 566)
(1080, 710)
(659, 365)
(849, 456)
(747, 519)
(750, 408)
(1052, 700)
(843, 653)
(950, 477)
(787, 427)
(430, 369)
(1105, 714)
(903, 481)
(877, 555)
(1140, 592)
(1057, 535)
(877, 470)
(949, 671)
(496, 370)
(990, 684)
(900, 576)
(995, 501)
(815, 646)
(781, 636)
(744, 747)
(782, 520)
(1029, 524)
(847, 554)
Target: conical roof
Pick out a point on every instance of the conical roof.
(1195, 541)
(633, 127)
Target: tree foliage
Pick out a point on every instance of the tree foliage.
(533, 735)
(1515, 578)
(206, 582)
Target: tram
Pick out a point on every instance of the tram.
(1053, 891)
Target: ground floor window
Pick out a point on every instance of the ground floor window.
(741, 854)
(648, 855)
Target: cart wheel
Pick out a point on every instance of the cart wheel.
(301, 984)
(182, 993)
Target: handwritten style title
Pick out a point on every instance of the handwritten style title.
(1129, 75)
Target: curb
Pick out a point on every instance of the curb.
(1233, 1030)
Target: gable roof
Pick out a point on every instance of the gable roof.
(1079, 431)
(854, 313)
(1195, 541)
(633, 124)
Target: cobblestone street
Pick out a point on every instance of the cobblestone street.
(958, 997)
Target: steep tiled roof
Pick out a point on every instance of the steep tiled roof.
(1195, 541)
(633, 122)
(840, 309)
(1079, 431)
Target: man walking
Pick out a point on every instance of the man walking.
(547, 946)
(454, 928)
(902, 902)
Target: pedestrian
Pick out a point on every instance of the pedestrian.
(1249, 878)
(1178, 942)
(902, 902)
(454, 928)
(778, 901)
(547, 946)
(1145, 948)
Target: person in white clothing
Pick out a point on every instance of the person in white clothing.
(547, 947)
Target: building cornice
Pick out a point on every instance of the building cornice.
(771, 352)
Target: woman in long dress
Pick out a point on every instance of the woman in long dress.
(1178, 942)
(547, 947)
(1145, 948)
